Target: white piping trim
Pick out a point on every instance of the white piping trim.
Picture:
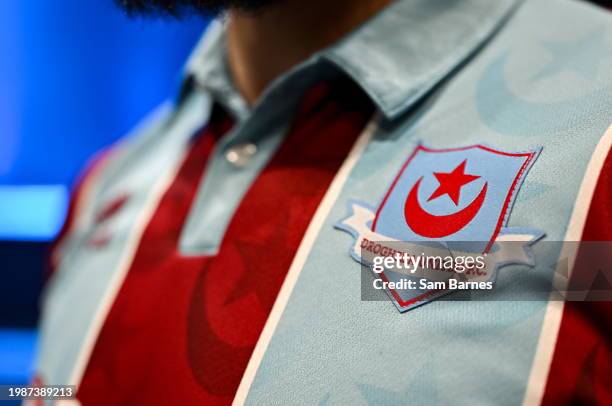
(554, 310)
(300, 259)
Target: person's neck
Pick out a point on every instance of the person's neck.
(264, 44)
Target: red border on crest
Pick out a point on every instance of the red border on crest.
(530, 158)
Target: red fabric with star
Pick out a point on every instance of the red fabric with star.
(581, 368)
(182, 329)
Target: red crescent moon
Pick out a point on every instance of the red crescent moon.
(432, 226)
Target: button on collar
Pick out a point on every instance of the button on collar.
(240, 155)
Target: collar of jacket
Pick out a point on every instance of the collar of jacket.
(396, 57)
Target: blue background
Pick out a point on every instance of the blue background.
(74, 77)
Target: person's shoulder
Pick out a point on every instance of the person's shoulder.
(574, 10)
(565, 20)
(103, 170)
(548, 71)
(112, 163)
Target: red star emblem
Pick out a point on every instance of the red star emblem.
(452, 182)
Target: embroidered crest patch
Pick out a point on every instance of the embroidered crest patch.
(445, 203)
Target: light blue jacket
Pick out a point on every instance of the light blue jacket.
(532, 76)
